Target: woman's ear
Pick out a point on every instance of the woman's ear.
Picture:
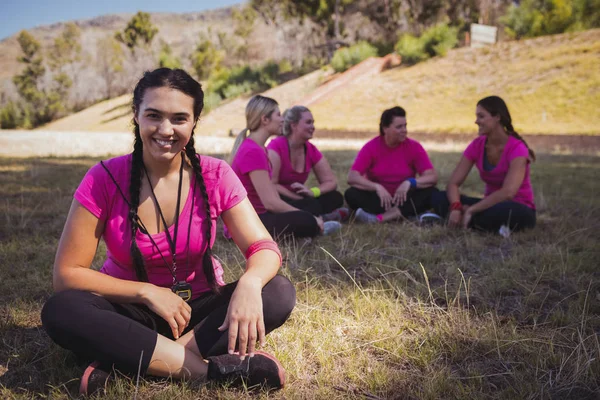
(264, 120)
(135, 116)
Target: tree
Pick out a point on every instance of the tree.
(64, 53)
(139, 29)
(206, 58)
(41, 105)
(167, 59)
(110, 63)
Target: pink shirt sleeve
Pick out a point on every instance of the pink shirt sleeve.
(422, 161)
(92, 193)
(230, 191)
(473, 150)
(363, 160)
(252, 160)
(518, 150)
(314, 154)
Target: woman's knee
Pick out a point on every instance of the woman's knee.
(352, 197)
(279, 299)
(66, 308)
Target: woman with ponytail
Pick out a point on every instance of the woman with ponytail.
(251, 163)
(159, 305)
(293, 156)
(502, 158)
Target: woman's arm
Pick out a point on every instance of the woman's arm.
(325, 176)
(355, 179)
(267, 192)
(427, 179)
(457, 178)
(510, 186)
(245, 319)
(276, 165)
(74, 256)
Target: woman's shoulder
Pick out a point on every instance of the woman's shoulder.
(277, 144)
(118, 167)
(212, 166)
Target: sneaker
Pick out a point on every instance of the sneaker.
(261, 370)
(331, 227)
(94, 379)
(339, 214)
(504, 231)
(429, 219)
(365, 217)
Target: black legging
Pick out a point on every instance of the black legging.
(515, 215)
(417, 201)
(323, 204)
(116, 334)
(294, 223)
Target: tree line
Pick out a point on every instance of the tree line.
(340, 32)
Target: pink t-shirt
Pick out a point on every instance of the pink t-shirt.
(287, 173)
(391, 166)
(494, 179)
(251, 157)
(99, 195)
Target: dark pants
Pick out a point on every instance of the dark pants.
(323, 204)
(515, 215)
(417, 201)
(117, 334)
(294, 223)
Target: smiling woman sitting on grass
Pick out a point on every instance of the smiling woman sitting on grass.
(392, 176)
(159, 303)
(502, 158)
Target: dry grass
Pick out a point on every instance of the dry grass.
(392, 312)
(551, 85)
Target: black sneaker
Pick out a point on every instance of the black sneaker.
(94, 379)
(261, 370)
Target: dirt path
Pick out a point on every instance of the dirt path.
(14, 143)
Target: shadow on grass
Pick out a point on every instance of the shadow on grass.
(544, 280)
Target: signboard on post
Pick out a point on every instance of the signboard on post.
(483, 35)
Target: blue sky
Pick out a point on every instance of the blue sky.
(25, 14)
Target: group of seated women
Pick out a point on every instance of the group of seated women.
(159, 305)
(392, 177)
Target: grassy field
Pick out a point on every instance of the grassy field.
(390, 312)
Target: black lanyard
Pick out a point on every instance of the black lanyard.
(171, 240)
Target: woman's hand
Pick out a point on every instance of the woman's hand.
(455, 218)
(244, 317)
(466, 219)
(401, 193)
(320, 223)
(302, 190)
(385, 199)
(168, 306)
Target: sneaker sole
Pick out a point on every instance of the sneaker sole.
(83, 387)
(280, 369)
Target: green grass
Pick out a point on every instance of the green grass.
(397, 311)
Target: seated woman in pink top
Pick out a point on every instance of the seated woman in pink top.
(502, 158)
(159, 305)
(250, 162)
(392, 175)
(293, 157)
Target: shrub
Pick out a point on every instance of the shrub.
(347, 57)
(211, 101)
(12, 117)
(411, 49)
(435, 41)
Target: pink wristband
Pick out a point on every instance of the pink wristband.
(264, 244)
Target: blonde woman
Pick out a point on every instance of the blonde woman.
(250, 162)
(293, 157)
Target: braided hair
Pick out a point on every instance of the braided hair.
(179, 80)
(497, 107)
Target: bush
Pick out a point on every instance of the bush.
(347, 57)
(211, 101)
(547, 17)
(12, 117)
(435, 41)
(411, 49)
